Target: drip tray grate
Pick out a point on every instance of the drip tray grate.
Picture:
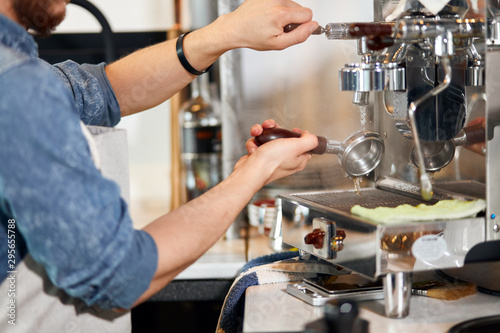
(369, 198)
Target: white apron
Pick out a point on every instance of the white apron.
(41, 307)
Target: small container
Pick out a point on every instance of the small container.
(262, 214)
(397, 293)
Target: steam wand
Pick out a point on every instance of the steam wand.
(443, 49)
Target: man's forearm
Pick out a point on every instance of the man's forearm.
(184, 234)
(147, 78)
(152, 75)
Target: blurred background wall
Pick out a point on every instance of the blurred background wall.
(298, 87)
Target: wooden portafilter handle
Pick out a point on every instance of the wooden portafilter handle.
(269, 134)
(474, 134)
(470, 135)
(292, 26)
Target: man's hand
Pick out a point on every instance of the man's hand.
(280, 157)
(259, 24)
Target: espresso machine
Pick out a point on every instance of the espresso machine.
(426, 69)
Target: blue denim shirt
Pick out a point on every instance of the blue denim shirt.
(54, 203)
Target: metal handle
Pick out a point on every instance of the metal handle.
(269, 134)
(354, 30)
(472, 134)
(445, 47)
(293, 26)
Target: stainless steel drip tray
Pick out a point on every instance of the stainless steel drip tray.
(303, 208)
(336, 205)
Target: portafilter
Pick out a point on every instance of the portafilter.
(358, 155)
(437, 155)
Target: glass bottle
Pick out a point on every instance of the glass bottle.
(201, 139)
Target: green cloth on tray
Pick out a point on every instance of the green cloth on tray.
(443, 210)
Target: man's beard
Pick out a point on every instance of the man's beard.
(43, 16)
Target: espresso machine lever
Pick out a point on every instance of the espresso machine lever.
(443, 49)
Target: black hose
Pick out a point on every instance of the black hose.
(107, 33)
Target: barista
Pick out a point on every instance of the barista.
(66, 233)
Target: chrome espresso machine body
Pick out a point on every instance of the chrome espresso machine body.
(425, 73)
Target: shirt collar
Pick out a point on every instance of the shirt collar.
(15, 36)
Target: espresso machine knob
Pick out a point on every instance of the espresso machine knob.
(315, 238)
(338, 241)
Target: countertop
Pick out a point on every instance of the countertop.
(211, 276)
(225, 259)
(269, 308)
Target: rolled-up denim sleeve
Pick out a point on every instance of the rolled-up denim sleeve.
(95, 100)
(73, 220)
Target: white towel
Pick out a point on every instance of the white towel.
(266, 270)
